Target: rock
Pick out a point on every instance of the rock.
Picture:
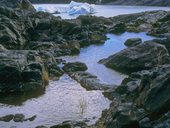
(89, 20)
(41, 126)
(89, 81)
(19, 118)
(144, 56)
(7, 118)
(70, 124)
(133, 42)
(118, 28)
(8, 12)
(145, 123)
(125, 120)
(26, 4)
(164, 42)
(97, 38)
(62, 126)
(2, 47)
(75, 66)
(31, 118)
(153, 91)
(21, 71)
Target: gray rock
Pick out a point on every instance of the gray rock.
(144, 56)
(153, 92)
(7, 118)
(18, 69)
(145, 123)
(74, 67)
(19, 118)
(133, 42)
(89, 81)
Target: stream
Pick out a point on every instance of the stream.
(65, 99)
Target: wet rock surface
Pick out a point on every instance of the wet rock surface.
(16, 118)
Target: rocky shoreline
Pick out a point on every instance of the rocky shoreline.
(31, 42)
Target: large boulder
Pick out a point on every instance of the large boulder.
(144, 56)
(133, 42)
(21, 71)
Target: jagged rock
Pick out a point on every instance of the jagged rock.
(18, 69)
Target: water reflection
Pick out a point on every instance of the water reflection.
(19, 99)
(93, 53)
(64, 100)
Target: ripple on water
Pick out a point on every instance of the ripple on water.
(92, 54)
(64, 100)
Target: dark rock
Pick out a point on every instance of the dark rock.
(89, 20)
(118, 28)
(133, 42)
(7, 118)
(75, 66)
(62, 126)
(145, 123)
(125, 120)
(144, 56)
(89, 81)
(70, 124)
(21, 71)
(41, 126)
(19, 118)
(153, 92)
(31, 118)
(26, 4)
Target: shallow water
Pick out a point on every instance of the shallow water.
(101, 10)
(92, 54)
(64, 100)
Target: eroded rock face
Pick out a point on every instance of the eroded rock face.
(154, 90)
(146, 104)
(143, 56)
(21, 71)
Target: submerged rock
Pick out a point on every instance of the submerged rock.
(7, 118)
(144, 56)
(70, 124)
(19, 118)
